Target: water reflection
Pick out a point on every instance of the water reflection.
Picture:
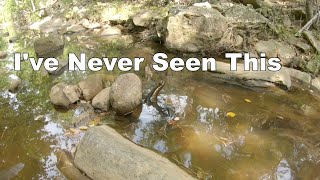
(204, 141)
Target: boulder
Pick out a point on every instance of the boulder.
(144, 18)
(194, 29)
(301, 45)
(3, 54)
(111, 31)
(273, 48)
(105, 154)
(57, 96)
(126, 93)
(47, 45)
(14, 84)
(72, 92)
(102, 100)
(299, 75)
(91, 86)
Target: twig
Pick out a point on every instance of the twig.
(308, 24)
(3, 132)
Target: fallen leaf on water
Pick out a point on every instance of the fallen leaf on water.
(247, 100)
(231, 114)
(83, 128)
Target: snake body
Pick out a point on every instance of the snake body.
(167, 112)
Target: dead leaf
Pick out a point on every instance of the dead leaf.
(231, 114)
(247, 100)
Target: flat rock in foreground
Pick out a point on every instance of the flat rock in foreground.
(105, 154)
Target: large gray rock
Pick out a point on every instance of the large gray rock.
(194, 29)
(244, 14)
(102, 100)
(262, 78)
(91, 86)
(73, 93)
(47, 45)
(126, 93)
(105, 154)
(273, 48)
(143, 18)
(57, 96)
(299, 75)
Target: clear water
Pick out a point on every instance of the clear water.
(276, 136)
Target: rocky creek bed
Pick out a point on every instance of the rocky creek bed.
(259, 125)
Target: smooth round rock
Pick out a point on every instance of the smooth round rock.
(57, 96)
(126, 93)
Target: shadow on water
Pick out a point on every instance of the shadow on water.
(274, 135)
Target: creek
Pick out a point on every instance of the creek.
(275, 133)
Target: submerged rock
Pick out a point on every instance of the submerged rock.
(194, 29)
(12, 172)
(14, 84)
(91, 86)
(274, 48)
(46, 45)
(83, 115)
(105, 154)
(73, 93)
(284, 171)
(102, 100)
(126, 93)
(57, 96)
(67, 168)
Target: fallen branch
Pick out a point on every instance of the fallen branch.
(308, 24)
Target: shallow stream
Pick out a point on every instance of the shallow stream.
(274, 134)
